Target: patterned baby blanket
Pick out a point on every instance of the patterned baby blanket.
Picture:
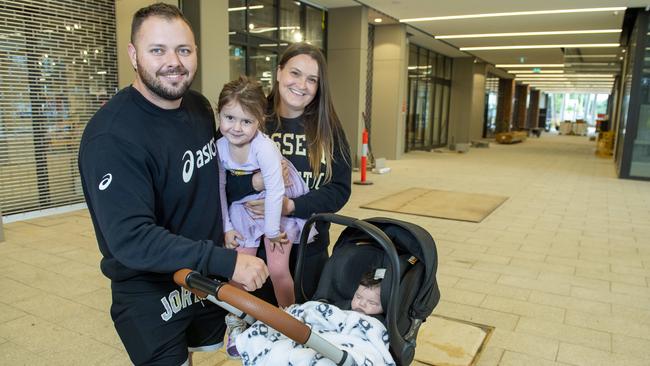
(363, 337)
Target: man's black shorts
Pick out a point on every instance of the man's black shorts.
(159, 322)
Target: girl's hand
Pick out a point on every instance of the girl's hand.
(258, 181)
(278, 242)
(256, 207)
(230, 240)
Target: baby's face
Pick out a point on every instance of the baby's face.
(367, 300)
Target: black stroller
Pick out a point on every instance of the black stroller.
(408, 298)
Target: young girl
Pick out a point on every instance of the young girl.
(244, 149)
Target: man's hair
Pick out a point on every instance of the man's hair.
(368, 280)
(250, 96)
(166, 11)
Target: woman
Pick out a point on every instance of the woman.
(305, 126)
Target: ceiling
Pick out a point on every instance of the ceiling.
(574, 66)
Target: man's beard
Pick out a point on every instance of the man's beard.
(157, 87)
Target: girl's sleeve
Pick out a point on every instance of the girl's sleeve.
(270, 162)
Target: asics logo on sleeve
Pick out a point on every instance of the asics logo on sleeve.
(105, 182)
(201, 157)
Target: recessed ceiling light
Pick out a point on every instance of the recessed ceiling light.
(531, 46)
(539, 72)
(528, 65)
(589, 56)
(490, 15)
(520, 34)
(252, 7)
(378, 20)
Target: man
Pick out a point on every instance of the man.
(148, 164)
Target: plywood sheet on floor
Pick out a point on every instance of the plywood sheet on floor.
(450, 342)
(473, 207)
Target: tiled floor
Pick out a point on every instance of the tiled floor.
(561, 269)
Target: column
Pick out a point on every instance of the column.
(521, 98)
(467, 104)
(390, 61)
(124, 10)
(533, 109)
(209, 21)
(504, 105)
(347, 54)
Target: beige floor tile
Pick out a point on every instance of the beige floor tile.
(36, 258)
(523, 308)
(582, 305)
(610, 297)
(510, 270)
(566, 333)
(462, 296)
(14, 354)
(534, 284)
(611, 276)
(528, 344)
(493, 289)
(48, 282)
(542, 266)
(632, 290)
(585, 356)
(519, 359)
(613, 324)
(497, 319)
(635, 347)
(10, 312)
(574, 281)
(490, 356)
(13, 290)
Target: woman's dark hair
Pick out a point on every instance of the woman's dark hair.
(322, 124)
(250, 96)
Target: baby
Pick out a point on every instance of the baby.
(367, 297)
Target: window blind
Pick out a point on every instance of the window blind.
(58, 65)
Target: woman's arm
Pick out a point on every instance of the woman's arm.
(333, 195)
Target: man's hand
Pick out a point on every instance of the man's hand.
(230, 240)
(250, 272)
(258, 181)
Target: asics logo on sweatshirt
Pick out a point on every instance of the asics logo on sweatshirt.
(198, 158)
(105, 182)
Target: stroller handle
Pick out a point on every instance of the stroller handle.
(273, 316)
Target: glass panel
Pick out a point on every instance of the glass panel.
(261, 18)
(445, 115)
(290, 21)
(410, 121)
(420, 114)
(428, 116)
(262, 63)
(410, 118)
(237, 61)
(237, 15)
(315, 27)
(640, 165)
(437, 98)
(448, 62)
(432, 64)
(441, 64)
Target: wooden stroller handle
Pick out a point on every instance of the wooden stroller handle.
(271, 315)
